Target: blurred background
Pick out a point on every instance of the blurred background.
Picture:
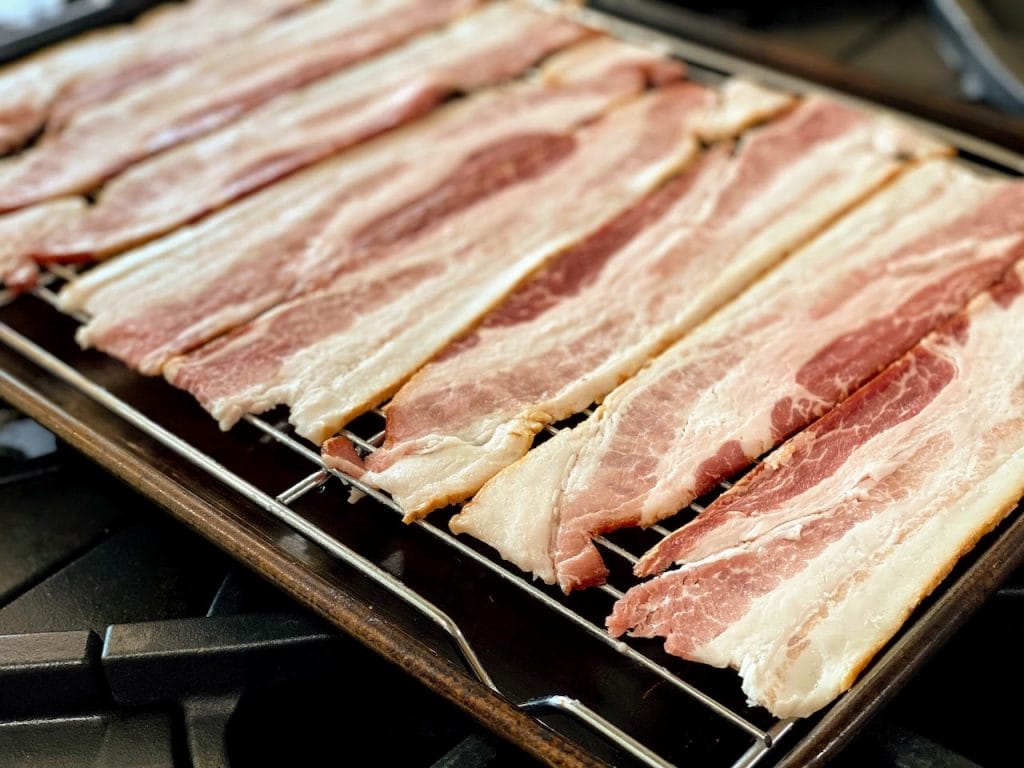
(966, 50)
(971, 50)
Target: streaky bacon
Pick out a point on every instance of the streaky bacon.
(971, 231)
(148, 305)
(764, 366)
(868, 510)
(49, 87)
(212, 90)
(599, 312)
(297, 130)
(335, 352)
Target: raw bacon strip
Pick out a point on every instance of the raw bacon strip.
(872, 506)
(21, 229)
(334, 353)
(782, 354)
(149, 305)
(213, 90)
(568, 337)
(974, 231)
(299, 129)
(52, 85)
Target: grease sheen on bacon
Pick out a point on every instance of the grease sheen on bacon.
(334, 353)
(148, 305)
(599, 312)
(210, 91)
(49, 87)
(865, 513)
(783, 353)
(302, 128)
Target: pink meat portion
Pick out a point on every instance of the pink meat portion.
(594, 316)
(50, 87)
(556, 188)
(865, 512)
(842, 307)
(147, 305)
(212, 90)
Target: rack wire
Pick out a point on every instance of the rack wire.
(280, 504)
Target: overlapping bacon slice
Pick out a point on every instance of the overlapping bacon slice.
(334, 353)
(855, 520)
(171, 296)
(598, 313)
(51, 86)
(294, 131)
(211, 90)
(765, 366)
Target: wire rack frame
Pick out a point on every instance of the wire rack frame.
(279, 506)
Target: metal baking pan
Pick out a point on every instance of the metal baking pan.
(532, 665)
